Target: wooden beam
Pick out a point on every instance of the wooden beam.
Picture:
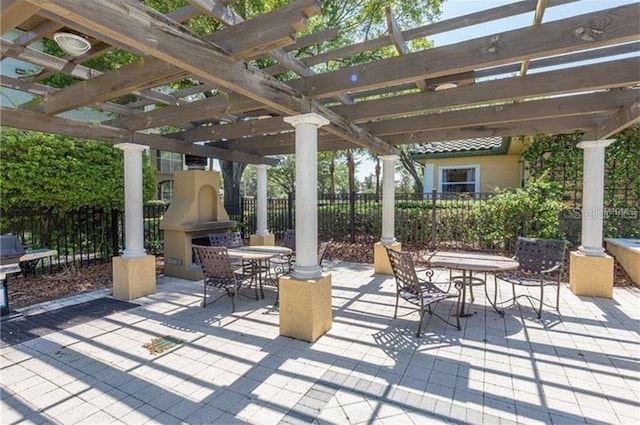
(265, 32)
(200, 110)
(542, 126)
(476, 18)
(228, 17)
(606, 127)
(470, 77)
(395, 34)
(537, 20)
(612, 26)
(29, 120)
(399, 42)
(145, 73)
(553, 125)
(179, 15)
(619, 73)
(235, 130)
(15, 12)
(540, 109)
(120, 20)
(548, 126)
(599, 103)
(7, 48)
(45, 29)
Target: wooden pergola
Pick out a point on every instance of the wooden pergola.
(238, 115)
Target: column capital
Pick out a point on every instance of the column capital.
(131, 147)
(595, 143)
(311, 118)
(389, 157)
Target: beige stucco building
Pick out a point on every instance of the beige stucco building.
(473, 165)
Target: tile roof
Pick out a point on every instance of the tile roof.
(466, 145)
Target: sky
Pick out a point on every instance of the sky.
(454, 8)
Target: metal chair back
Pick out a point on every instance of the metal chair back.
(537, 255)
(218, 239)
(234, 240)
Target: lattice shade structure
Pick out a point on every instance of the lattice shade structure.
(234, 111)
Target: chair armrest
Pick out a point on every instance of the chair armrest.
(552, 269)
(436, 283)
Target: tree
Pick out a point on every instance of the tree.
(232, 176)
(409, 166)
(284, 175)
(60, 174)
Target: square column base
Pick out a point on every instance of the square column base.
(591, 276)
(381, 264)
(134, 277)
(262, 240)
(305, 307)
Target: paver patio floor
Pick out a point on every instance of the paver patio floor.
(577, 367)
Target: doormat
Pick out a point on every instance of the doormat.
(162, 344)
(25, 328)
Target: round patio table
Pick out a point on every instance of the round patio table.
(468, 263)
(258, 257)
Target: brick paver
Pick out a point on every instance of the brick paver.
(576, 367)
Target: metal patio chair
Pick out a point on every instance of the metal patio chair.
(541, 264)
(218, 272)
(322, 250)
(421, 293)
(218, 239)
(283, 264)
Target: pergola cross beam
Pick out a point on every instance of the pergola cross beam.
(177, 46)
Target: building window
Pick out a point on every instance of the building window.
(459, 179)
(165, 190)
(169, 162)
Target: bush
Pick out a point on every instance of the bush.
(533, 212)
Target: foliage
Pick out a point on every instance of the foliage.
(48, 172)
(559, 157)
(533, 211)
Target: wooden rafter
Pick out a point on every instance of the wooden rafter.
(146, 73)
(628, 115)
(228, 17)
(176, 46)
(15, 12)
(537, 20)
(543, 126)
(618, 25)
(20, 118)
(598, 103)
(620, 73)
(425, 31)
(399, 42)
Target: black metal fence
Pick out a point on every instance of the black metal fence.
(431, 219)
(442, 220)
(84, 237)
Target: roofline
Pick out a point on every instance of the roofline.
(504, 148)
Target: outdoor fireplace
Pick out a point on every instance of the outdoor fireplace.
(196, 211)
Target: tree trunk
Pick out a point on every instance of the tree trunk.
(352, 170)
(332, 178)
(231, 178)
(410, 166)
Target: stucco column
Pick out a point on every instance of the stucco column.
(261, 175)
(388, 199)
(133, 201)
(593, 196)
(306, 126)
(590, 268)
